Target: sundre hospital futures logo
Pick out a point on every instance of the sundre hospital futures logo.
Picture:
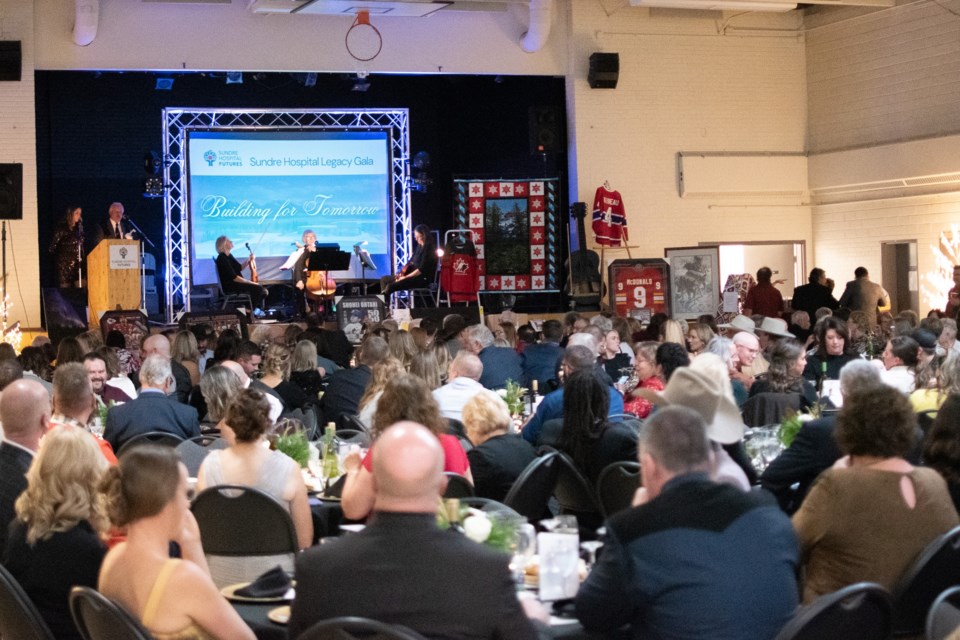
(210, 157)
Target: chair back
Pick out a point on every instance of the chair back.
(351, 422)
(457, 486)
(533, 489)
(861, 611)
(617, 484)
(228, 298)
(352, 628)
(210, 442)
(192, 455)
(944, 616)
(242, 521)
(936, 569)
(456, 428)
(100, 618)
(768, 407)
(151, 437)
(574, 492)
(19, 617)
(353, 436)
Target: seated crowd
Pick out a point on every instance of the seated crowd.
(863, 488)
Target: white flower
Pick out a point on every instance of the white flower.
(502, 393)
(477, 528)
(805, 417)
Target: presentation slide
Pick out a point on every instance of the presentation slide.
(266, 188)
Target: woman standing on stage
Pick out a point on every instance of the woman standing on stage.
(67, 248)
(420, 271)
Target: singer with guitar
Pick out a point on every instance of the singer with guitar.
(67, 248)
(421, 269)
(230, 272)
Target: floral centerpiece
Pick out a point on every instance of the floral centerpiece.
(293, 442)
(514, 395)
(793, 422)
(492, 529)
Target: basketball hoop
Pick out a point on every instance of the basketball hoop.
(363, 20)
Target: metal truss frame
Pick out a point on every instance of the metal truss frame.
(177, 122)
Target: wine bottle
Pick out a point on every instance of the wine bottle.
(331, 465)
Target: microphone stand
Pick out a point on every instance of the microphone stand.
(363, 268)
(143, 237)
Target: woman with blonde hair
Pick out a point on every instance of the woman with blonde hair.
(55, 540)
(425, 366)
(218, 385)
(185, 351)
(403, 347)
(276, 375)
(382, 372)
(405, 397)
(498, 457)
(672, 331)
(175, 599)
(304, 371)
(698, 337)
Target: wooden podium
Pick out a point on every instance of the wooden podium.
(113, 278)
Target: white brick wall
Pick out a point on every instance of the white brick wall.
(18, 144)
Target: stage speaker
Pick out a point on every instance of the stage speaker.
(11, 191)
(546, 130)
(10, 60)
(604, 70)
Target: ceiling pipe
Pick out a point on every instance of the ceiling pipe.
(539, 29)
(85, 22)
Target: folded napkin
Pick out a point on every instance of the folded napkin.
(272, 584)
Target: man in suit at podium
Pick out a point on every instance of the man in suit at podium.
(113, 227)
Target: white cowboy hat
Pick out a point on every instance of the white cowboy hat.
(740, 323)
(775, 327)
(704, 394)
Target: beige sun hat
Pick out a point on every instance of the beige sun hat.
(704, 394)
(775, 327)
(740, 323)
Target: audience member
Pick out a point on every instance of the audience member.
(833, 350)
(669, 357)
(173, 597)
(158, 344)
(941, 449)
(218, 386)
(672, 331)
(115, 375)
(402, 347)
(745, 585)
(863, 295)
(276, 375)
(813, 295)
(900, 363)
(787, 363)
(499, 363)
(948, 336)
(186, 351)
(36, 367)
(152, 410)
(74, 404)
(813, 450)
(763, 298)
(463, 384)
(96, 370)
(304, 370)
(405, 397)
(54, 542)
(69, 350)
(748, 348)
(841, 541)
(426, 367)
(25, 413)
(575, 358)
(346, 386)
(249, 463)
(614, 361)
(698, 336)
(403, 570)
(382, 372)
(498, 457)
(649, 376)
(276, 406)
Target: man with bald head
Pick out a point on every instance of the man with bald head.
(401, 569)
(464, 382)
(25, 412)
(158, 344)
(748, 348)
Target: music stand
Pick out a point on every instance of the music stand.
(365, 263)
(328, 258)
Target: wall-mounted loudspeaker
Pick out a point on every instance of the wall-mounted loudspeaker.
(11, 191)
(604, 70)
(546, 130)
(10, 60)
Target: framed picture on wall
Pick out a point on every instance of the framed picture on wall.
(694, 280)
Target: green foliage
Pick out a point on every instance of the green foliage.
(294, 444)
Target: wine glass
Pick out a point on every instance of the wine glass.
(591, 547)
(523, 550)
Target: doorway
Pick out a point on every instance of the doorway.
(899, 274)
(785, 259)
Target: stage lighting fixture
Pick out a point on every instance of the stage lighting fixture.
(151, 163)
(153, 188)
(234, 77)
(361, 82)
(163, 84)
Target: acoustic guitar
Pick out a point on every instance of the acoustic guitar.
(585, 283)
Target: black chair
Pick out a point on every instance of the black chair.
(210, 442)
(768, 407)
(457, 486)
(231, 299)
(925, 419)
(351, 422)
(192, 456)
(19, 617)
(577, 496)
(352, 628)
(944, 616)
(861, 611)
(352, 436)
(616, 486)
(100, 618)
(936, 569)
(151, 437)
(456, 428)
(242, 521)
(533, 489)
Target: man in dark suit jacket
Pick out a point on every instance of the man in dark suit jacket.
(499, 363)
(540, 360)
(402, 569)
(152, 410)
(813, 295)
(346, 386)
(25, 412)
(158, 344)
(113, 228)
